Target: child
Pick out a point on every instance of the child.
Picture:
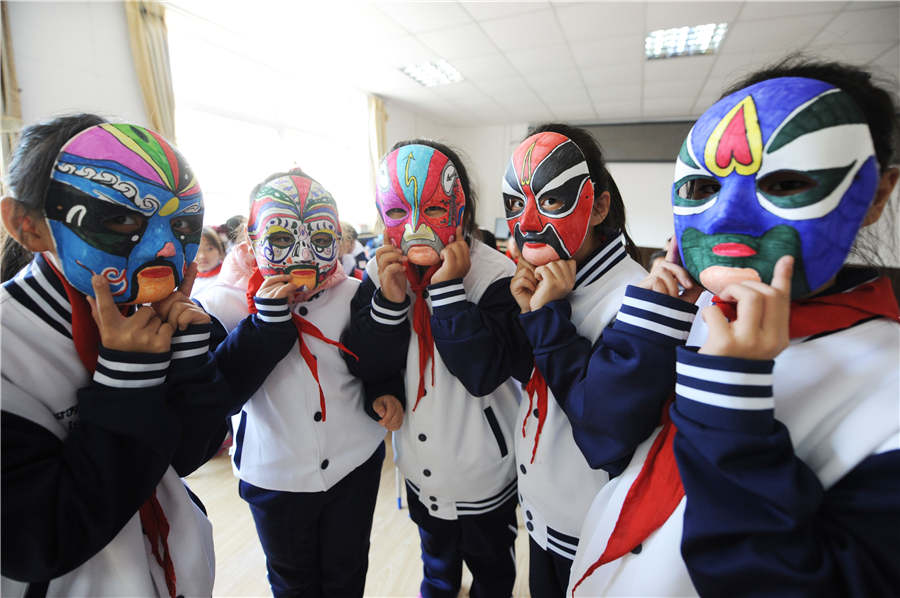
(567, 218)
(454, 446)
(787, 416)
(307, 455)
(209, 259)
(104, 412)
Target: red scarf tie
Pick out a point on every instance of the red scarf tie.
(86, 337)
(536, 385)
(304, 327)
(422, 323)
(210, 273)
(657, 490)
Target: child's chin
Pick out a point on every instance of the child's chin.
(423, 256)
(716, 278)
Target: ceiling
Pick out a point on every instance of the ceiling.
(537, 61)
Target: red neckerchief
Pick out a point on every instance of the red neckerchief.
(210, 273)
(536, 385)
(422, 323)
(655, 493)
(86, 337)
(303, 326)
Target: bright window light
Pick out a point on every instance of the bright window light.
(431, 74)
(685, 41)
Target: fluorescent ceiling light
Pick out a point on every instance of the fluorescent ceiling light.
(430, 74)
(684, 41)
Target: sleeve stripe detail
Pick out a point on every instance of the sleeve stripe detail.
(190, 352)
(129, 383)
(387, 315)
(723, 376)
(123, 366)
(386, 321)
(442, 289)
(269, 302)
(655, 317)
(272, 310)
(653, 326)
(722, 400)
(675, 314)
(281, 317)
(401, 313)
(447, 300)
(191, 338)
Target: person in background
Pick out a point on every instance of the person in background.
(785, 426)
(487, 237)
(353, 254)
(209, 259)
(235, 231)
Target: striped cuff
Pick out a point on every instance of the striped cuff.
(655, 315)
(444, 294)
(387, 312)
(121, 369)
(724, 392)
(272, 311)
(191, 343)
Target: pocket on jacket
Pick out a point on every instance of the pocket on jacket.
(495, 428)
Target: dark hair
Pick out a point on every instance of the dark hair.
(29, 175)
(212, 237)
(297, 171)
(487, 237)
(614, 223)
(877, 104)
(469, 224)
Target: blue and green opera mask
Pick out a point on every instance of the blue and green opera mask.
(782, 167)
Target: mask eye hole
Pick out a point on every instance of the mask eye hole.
(513, 203)
(187, 225)
(435, 212)
(396, 213)
(322, 240)
(551, 204)
(698, 189)
(125, 223)
(281, 240)
(785, 183)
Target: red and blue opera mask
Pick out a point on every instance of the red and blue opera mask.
(123, 203)
(295, 230)
(548, 195)
(783, 167)
(421, 201)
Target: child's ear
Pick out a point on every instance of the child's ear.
(600, 209)
(27, 227)
(886, 185)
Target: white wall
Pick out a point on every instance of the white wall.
(646, 189)
(74, 57)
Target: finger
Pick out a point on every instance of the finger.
(750, 310)
(286, 290)
(379, 407)
(106, 305)
(525, 265)
(164, 335)
(175, 313)
(716, 321)
(672, 252)
(781, 277)
(187, 283)
(191, 315)
(669, 282)
(153, 324)
(682, 275)
(140, 318)
(539, 273)
(165, 306)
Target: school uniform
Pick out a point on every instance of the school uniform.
(309, 461)
(205, 280)
(455, 445)
(93, 501)
(787, 470)
(602, 397)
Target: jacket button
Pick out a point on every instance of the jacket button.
(426, 473)
(529, 525)
(318, 416)
(325, 464)
(422, 437)
(522, 469)
(528, 514)
(424, 294)
(434, 507)
(432, 499)
(303, 311)
(537, 413)
(637, 549)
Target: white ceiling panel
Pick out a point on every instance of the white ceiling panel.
(592, 21)
(788, 34)
(682, 88)
(505, 85)
(609, 50)
(666, 15)
(754, 10)
(467, 41)
(852, 53)
(864, 26)
(557, 95)
(684, 68)
(612, 94)
(521, 32)
(541, 60)
(398, 52)
(488, 67)
(425, 16)
(742, 63)
(485, 11)
(613, 75)
(618, 111)
(669, 107)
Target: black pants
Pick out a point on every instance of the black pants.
(486, 543)
(317, 543)
(548, 572)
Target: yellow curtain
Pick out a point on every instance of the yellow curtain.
(150, 50)
(12, 109)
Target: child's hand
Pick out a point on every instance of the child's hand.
(391, 272)
(555, 281)
(277, 287)
(141, 332)
(760, 330)
(177, 309)
(391, 411)
(455, 258)
(523, 285)
(666, 275)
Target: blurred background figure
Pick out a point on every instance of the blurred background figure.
(353, 254)
(234, 229)
(209, 259)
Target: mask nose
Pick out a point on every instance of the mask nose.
(531, 219)
(735, 205)
(168, 250)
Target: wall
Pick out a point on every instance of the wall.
(74, 57)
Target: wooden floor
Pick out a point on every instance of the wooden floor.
(395, 567)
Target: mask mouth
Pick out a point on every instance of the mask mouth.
(540, 248)
(305, 276)
(154, 281)
(422, 247)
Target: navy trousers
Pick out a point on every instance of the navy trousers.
(317, 543)
(485, 542)
(548, 572)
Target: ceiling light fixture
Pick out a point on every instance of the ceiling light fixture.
(684, 41)
(433, 73)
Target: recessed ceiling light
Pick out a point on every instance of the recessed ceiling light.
(430, 74)
(684, 41)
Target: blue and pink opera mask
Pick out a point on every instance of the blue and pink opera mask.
(421, 201)
(123, 203)
(783, 167)
(295, 230)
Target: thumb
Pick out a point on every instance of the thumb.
(378, 406)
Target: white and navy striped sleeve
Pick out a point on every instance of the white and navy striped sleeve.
(120, 369)
(655, 316)
(387, 312)
(447, 297)
(191, 346)
(272, 311)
